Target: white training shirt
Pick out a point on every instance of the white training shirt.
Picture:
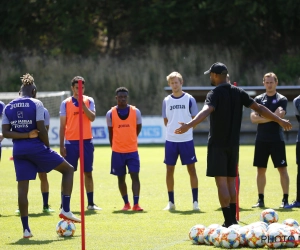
(177, 110)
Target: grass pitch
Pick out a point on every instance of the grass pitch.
(151, 229)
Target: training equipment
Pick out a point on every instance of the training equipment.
(243, 231)
(291, 223)
(230, 238)
(215, 237)
(269, 216)
(275, 238)
(207, 233)
(293, 237)
(65, 228)
(196, 234)
(256, 237)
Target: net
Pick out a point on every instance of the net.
(50, 99)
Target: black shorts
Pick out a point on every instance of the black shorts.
(298, 153)
(222, 161)
(263, 150)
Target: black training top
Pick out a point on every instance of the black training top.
(270, 131)
(225, 120)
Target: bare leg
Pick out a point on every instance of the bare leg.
(23, 187)
(170, 178)
(284, 179)
(44, 182)
(122, 185)
(261, 179)
(89, 183)
(67, 177)
(193, 175)
(135, 184)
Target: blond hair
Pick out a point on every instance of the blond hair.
(270, 74)
(175, 74)
(27, 79)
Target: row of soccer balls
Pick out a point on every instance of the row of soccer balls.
(257, 234)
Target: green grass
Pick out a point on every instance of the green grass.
(151, 229)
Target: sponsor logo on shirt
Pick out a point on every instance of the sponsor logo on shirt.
(177, 107)
(124, 126)
(19, 105)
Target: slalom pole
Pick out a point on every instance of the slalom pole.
(81, 157)
(237, 187)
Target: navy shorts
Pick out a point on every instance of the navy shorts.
(222, 161)
(263, 150)
(185, 150)
(28, 165)
(119, 161)
(72, 156)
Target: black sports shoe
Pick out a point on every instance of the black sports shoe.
(224, 225)
(260, 203)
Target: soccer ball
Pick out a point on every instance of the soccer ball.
(256, 237)
(269, 216)
(208, 231)
(293, 237)
(196, 234)
(215, 236)
(230, 238)
(243, 232)
(291, 223)
(276, 238)
(65, 228)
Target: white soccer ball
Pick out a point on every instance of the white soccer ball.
(261, 224)
(269, 216)
(275, 225)
(243, 232)
(196, 234)
(65, 228)
(230, 238)
(215, 236)
(276, 238)
(291, 223)
(293, 237)
(208, 231)
(256, 237)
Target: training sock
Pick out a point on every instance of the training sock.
(171, 196)
(90, 197)
(233, 212)
(125, 199)
(66, 203)
(261, 197)
(285, 198)
(45, 199)
(136, 200)
(25, 223)
(195, 194)
(227, 216)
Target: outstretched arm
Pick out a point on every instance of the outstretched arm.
(206, 110)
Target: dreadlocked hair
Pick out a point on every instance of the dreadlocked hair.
(27, 79)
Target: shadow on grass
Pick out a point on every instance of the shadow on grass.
(129, 212)
(241, 209)
(31, 241)
(190, 212)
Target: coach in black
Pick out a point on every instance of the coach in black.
(269, 139)
(225, 104)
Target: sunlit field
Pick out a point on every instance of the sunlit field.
(151, 229)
